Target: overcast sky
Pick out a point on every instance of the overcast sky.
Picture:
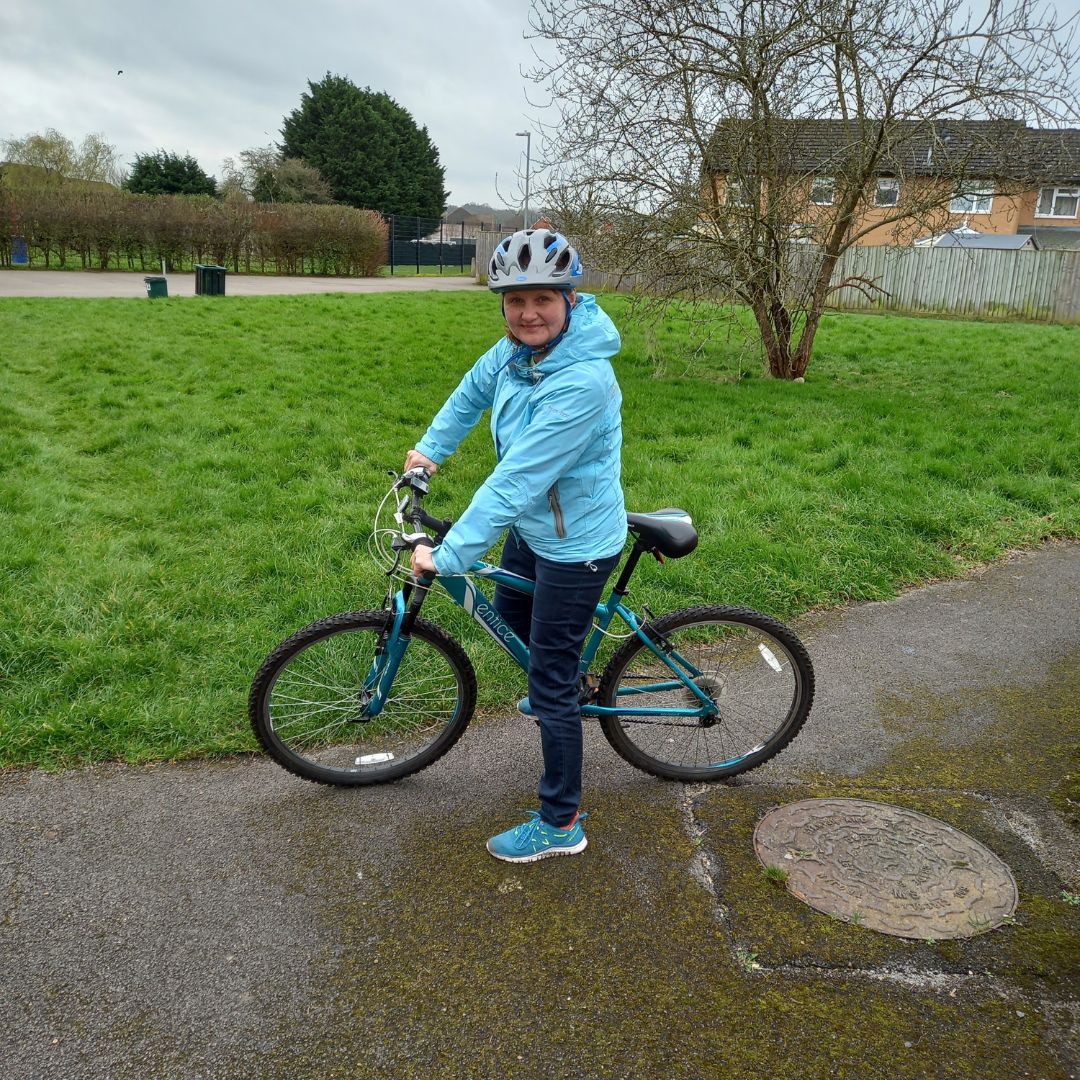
(214, 78)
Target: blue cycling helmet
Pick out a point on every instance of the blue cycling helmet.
(534, 259)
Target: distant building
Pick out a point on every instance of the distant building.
(996, 178)
(472, 224)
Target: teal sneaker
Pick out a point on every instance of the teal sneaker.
(536, 839)
(526, 709)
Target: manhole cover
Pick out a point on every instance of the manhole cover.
(887, 868)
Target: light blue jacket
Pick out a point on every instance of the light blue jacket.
(558, 438)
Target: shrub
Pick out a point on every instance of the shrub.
(103, 229)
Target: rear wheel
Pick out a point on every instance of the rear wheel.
(310, 699)
(755, 677)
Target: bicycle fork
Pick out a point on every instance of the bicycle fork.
(391, 648)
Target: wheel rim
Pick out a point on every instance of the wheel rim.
(749, 677)
(316, 705)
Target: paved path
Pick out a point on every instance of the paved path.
(96, 284)
(229, 920)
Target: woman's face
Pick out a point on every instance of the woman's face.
(536, 316)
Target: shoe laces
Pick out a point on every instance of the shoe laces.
(523, 834)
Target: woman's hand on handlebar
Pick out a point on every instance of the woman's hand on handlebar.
(422, 562)
(415, 460)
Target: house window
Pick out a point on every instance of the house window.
(888, 191)
(973, 200)
(823, 191)
(738, 193)
(1058, 202)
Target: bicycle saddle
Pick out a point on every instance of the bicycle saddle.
(669, 531)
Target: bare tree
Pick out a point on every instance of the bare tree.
(96, 159)
(264, 175)
(732, 151)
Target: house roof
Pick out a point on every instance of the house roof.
(998, 242)
(461, 215)
(975, 148)
(487, 217)
(1053, 236)
(1057, 151)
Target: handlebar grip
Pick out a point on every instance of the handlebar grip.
(440, 525)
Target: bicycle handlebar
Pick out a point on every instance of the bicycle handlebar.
(416, 480)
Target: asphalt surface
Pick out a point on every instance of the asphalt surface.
(227, 919)
(97, 284)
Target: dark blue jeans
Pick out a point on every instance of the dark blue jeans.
(554, 623)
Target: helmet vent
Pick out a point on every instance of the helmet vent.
(534, 259)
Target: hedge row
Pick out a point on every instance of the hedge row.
(117, 230)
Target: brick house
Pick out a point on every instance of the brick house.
(993, 177)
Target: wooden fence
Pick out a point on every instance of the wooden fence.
(1038, 285)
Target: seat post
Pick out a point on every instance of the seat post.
(628, 568)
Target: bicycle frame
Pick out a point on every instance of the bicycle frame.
(406, 604)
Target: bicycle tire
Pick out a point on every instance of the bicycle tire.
(754, 668)
(320, 670)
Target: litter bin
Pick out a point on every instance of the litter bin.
(209, 280)
(156, 286)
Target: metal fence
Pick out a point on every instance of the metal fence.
(1038, 285)
(416, 242)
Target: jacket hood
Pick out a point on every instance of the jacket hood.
(590, 336)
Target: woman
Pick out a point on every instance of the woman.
(555, 418)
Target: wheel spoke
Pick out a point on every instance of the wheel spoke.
(310, 708)
(758, 708)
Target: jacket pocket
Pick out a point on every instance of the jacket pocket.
(556, 510)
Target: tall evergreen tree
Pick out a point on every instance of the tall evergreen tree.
(162, 173)
(367, 148)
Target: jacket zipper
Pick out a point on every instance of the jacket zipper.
(556, 509)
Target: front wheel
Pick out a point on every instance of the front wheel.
(311, 701)
(753, 685)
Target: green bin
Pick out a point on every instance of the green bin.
(209, 280)
(156, 286)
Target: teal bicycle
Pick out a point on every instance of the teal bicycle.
(367, 697)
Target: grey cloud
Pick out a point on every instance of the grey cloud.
(212, 79)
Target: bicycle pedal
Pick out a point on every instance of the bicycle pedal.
(589, 689)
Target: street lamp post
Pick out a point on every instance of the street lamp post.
(527, 136)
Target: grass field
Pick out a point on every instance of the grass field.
(183, 484)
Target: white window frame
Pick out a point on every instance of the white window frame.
(823, 181)
(1058, 193)
(736, 194)
(890, 183)
(974, 199)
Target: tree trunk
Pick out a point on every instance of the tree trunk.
(806, 344)
(813, 316)
(775, 338)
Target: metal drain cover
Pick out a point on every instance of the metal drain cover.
(887, 868)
